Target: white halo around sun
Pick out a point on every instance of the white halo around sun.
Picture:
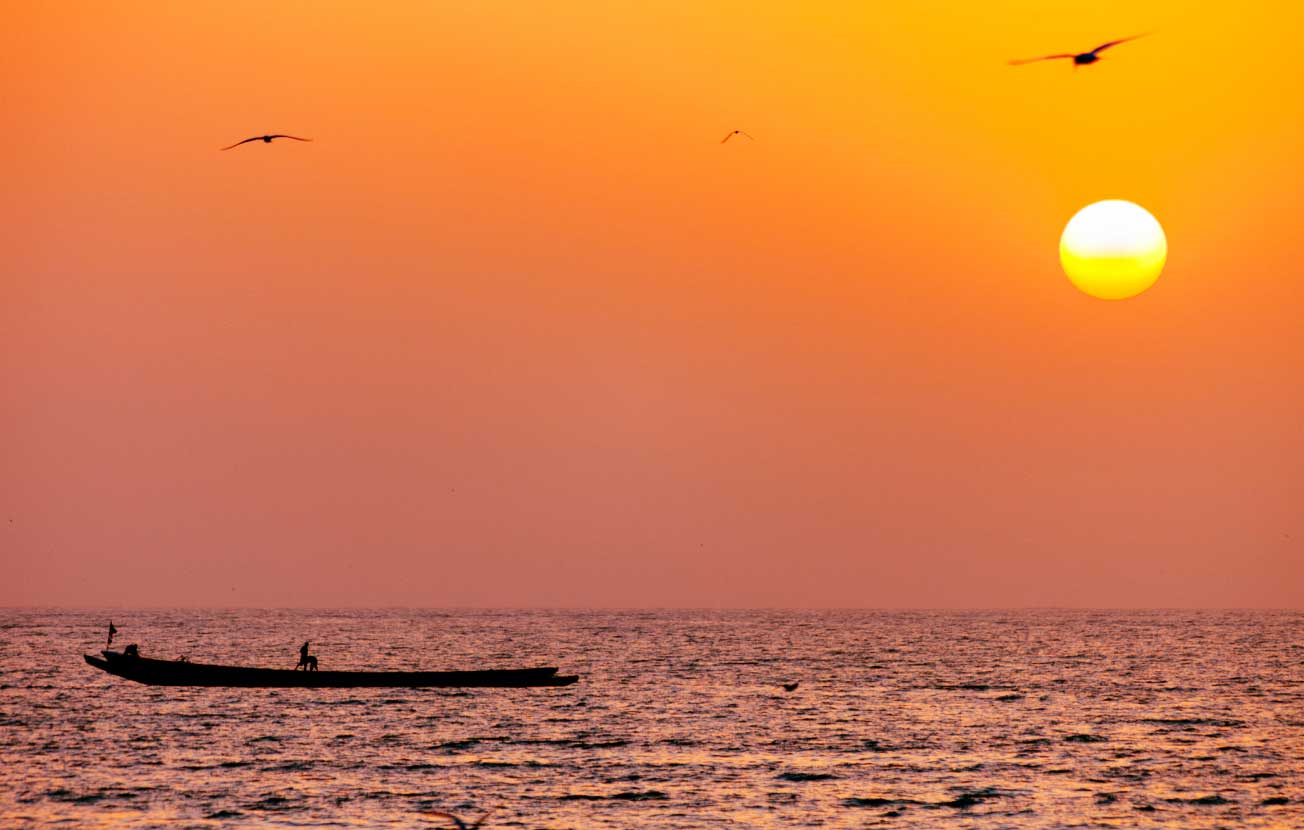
(1113, 249)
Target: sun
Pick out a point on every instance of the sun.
(1113, 249)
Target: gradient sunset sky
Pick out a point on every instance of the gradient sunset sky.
(517, 330)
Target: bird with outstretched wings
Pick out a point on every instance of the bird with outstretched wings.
(733, 133)
(266, 139)
(461, 825)
(1078, 58)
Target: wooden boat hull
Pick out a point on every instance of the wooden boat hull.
(177, 673)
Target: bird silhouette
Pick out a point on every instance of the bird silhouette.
(733, 133)
(791, 687)
(461, 825)
(266, 139)
(1080, 58)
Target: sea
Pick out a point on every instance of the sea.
(938, 719)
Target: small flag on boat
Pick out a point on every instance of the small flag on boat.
(112, 631)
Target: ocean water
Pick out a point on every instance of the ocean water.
(1169, 719)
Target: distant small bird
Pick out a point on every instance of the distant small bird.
(1080, 58)
(461, 825)
(733, 133)
(266, 139)
(791, 687)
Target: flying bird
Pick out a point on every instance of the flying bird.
(1081, 58)
(791, 687)
(461, 825)
(733, 133)
(266, 139)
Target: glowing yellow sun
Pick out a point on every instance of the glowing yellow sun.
(1113, 249)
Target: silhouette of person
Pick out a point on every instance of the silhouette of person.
(303, 654)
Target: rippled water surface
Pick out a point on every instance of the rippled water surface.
(910, 719)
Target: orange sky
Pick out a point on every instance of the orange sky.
(516, 330)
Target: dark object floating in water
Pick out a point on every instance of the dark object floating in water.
(791, 687)
(172, 673)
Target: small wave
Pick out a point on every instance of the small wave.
(632, 795)
(271, 802)
(225, 814)
(1226, 723)
(1204, 799)
(805, 776)
(965, 800)
(1085, 738)
(1275, 801)
(878, 802)
(599, 744)
(89, 798)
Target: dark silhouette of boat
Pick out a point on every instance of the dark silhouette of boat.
(184, 673)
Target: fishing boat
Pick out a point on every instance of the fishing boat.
(184, 673)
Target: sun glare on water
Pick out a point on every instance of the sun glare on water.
(1113, 249)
